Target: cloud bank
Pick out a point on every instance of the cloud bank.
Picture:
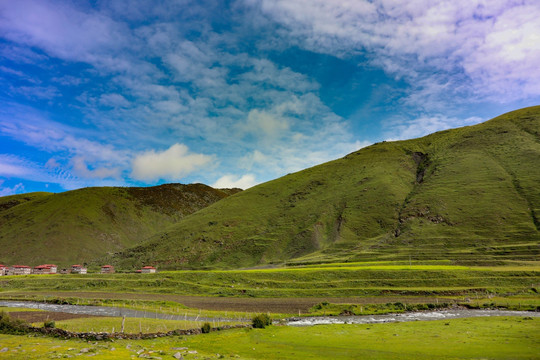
(238, 93)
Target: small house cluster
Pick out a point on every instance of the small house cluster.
(53, 269)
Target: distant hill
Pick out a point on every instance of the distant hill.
(470, 195)
(78, 226)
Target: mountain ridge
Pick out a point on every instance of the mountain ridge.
(468, 194)
(79, 225)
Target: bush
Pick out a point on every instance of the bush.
(205, 329)
(261, 321)
(49, 324)
(11, 326)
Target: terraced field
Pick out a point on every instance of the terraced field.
(290, 290)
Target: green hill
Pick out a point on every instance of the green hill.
(77, 226)
(470, 195)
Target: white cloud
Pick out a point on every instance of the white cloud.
(80, 168)
(495, 44)
(5, 191)
(172, 164)
(401, 129)
(113, 100)
(30, 127)
(61, 29)
(206, 90)
(264, 124)
(13, 166)
(36, 92)
(234, 181)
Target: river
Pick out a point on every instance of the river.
(297, 321)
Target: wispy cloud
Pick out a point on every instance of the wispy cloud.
(12, 166)
(494, 45)
(62, 30)
(16, 189)
(147, 92)
(402, 129)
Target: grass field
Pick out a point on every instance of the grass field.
(493, 338)
(376, 280)
(324, 290)
(131, 325)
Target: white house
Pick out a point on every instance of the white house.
(45, 269)
(78, 269)
(148, 270)
(3, 269)
(20, 270)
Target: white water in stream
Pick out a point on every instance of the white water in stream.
(411, 316)
(300, 321)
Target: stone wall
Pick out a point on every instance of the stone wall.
(118, 336)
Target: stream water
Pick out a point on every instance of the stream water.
(103, 311)
(300, 321)
(411, 316)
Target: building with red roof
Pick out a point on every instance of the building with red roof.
(45, 269)
(107, 269)
(148, 270)
(78, 269)
(19, 270)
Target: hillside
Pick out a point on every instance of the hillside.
(76, 226)
(469, 195)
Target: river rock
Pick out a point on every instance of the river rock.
(178, 356)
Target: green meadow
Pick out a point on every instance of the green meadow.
(474, 338)
(131, 325)
(327, 281)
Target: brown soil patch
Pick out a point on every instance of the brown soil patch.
(41, 316)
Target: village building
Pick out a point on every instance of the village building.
(45, 269)
(78, 269)
(107, 269)
(148, 270)
(53, 267)
(3, 269)
(20, 270)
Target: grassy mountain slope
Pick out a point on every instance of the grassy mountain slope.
(76, 226)
(470, 195)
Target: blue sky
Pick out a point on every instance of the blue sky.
(235, 93)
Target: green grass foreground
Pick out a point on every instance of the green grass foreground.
(490, 338)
